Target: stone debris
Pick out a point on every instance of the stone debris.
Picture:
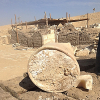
(6, 95)
(84, 52)
(17, 85)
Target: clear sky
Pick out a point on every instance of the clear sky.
(27, 9)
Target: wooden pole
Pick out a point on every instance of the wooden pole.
(35, 18)
(11, 22)
(15, 19)
(45, 15)
(67, 17)
(21, 24)
(46, 19)
(87, 20)
(50, 16)
(17, 34)
(26, 24)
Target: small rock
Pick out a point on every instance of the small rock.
(93, 51)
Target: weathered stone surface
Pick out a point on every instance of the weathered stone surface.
(84, 52)
(74, 49)
(33, 95)
(85, 94)
(6, 95)
(17, 85)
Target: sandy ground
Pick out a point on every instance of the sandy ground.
(13, 63)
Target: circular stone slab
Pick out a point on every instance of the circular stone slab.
(53, 70)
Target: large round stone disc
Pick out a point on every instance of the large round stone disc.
(52, 70)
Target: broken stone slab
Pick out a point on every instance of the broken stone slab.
(17, 85)
(74, 49)
(85, 81)
(84, 52)
(6, 95)
(93, 51)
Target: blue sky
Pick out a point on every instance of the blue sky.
(27, 9)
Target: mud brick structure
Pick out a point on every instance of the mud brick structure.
(13, 36)
(75, 38)
(71, 37)
(69, 27)
(37, 39)
(32, 38)
(84, 39)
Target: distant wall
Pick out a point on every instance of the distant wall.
(34, 39)
(93, 18)
(75, 38)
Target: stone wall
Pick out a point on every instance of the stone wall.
(48, 38)
(75, 38)
(33, 39)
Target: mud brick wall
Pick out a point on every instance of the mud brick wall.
(37, 39)
(69, 27)
(84, 39)
(13, 36)
(73, 38)
(23, 40)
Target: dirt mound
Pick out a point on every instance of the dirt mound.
(93, 18)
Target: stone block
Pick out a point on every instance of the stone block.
(6, 95)
(17, 85)
(84, 52)
(40, 95)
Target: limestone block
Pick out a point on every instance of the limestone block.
(51, 31)
(50, 36)
(45, 37)
(85, 81)
(74, 49)
(84, 52)
(4, 39)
